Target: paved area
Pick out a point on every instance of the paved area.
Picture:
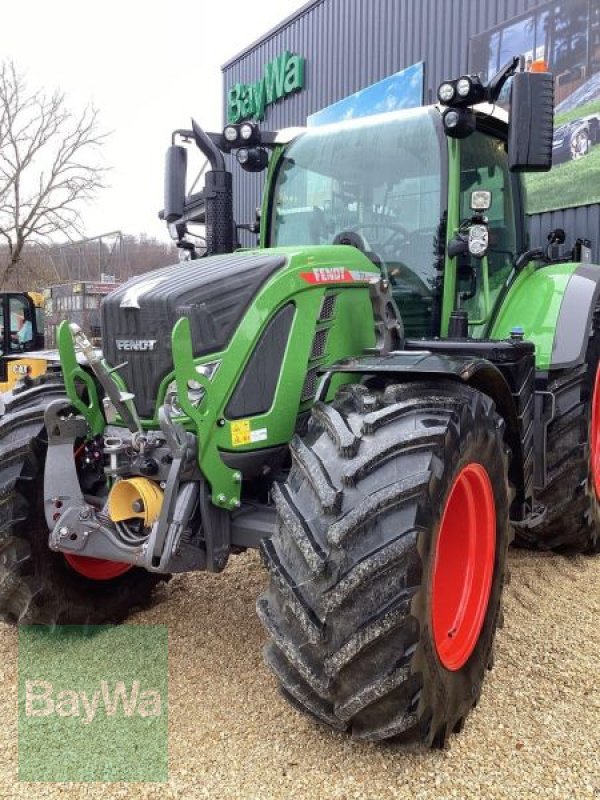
(535, 733)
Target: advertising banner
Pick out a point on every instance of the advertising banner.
(564, 37)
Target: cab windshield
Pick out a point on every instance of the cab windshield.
(375, 183)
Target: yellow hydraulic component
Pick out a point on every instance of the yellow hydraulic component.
(135, 498)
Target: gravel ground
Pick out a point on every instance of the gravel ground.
(535, 733)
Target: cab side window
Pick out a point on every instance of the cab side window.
(484, 166)
(21, 326)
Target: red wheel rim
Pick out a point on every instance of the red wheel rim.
(463, 566)
(97, 569)
(595, 436)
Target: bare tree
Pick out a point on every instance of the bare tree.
(49, 166)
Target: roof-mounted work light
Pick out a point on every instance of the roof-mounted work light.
(252, 159)
(466, 91)
(245, 134)
(458, 122)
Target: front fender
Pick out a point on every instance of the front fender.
(514, 404)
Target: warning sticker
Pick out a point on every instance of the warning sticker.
(259, 435)
(241, 433)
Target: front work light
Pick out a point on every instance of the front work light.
(249, 134)
(246, 134)
(458, 122)
(230, 134)
(451, 119)
(253, 159)
(481, 200)
(446, 92)
(463, 87)
(466, 91)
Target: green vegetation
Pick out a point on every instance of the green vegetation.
(593, 107)
(574, 183)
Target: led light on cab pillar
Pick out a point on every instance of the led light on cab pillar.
(478, 240)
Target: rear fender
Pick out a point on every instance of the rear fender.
(554, 307)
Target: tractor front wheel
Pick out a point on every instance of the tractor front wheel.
(38, 585)
(388, 564)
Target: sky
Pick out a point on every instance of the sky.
(148, 67)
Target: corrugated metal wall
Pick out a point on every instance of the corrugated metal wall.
(582, 222)
(349, 44)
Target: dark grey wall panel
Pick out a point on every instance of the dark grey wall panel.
(582, 222)
(349, 44)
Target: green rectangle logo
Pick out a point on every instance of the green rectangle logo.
(92, 703)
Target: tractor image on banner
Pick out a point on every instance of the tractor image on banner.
(380, 396)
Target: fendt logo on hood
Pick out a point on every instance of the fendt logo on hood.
(137, 345)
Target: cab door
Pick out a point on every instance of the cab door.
(482, 282)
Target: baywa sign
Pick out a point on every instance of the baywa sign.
(281, 77)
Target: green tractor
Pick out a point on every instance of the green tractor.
(377, 396)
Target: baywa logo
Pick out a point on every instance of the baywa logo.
(282, 76)
(42, 700)
(93, 703)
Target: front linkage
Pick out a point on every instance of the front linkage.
(164, 487)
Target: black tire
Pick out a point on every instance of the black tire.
(36, 584)
(348, 607)
(572, 520)
(580, 144)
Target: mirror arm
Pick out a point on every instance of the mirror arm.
(186, 135)
(496, 84)
(537, 254)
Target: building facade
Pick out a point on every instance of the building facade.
(348, 45)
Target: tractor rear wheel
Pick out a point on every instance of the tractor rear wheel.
(572, 494)
(38, 585)
(387, 568)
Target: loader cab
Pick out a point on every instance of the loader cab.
(21, 332)
(397, 188)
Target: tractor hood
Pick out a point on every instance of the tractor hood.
(213, 293)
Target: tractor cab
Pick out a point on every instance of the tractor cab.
(386, 184)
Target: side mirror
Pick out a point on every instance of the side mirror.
(531, 122)
(175, 175)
